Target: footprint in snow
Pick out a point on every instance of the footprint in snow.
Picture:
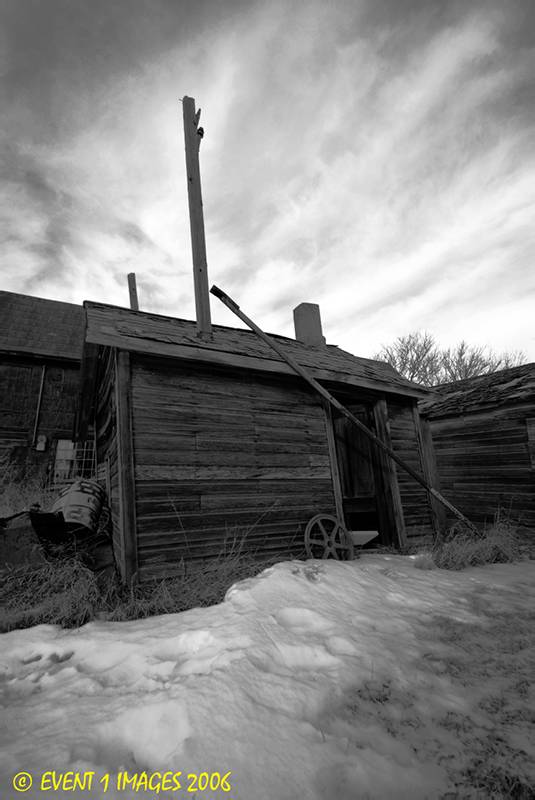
(289, 658)
(200, 652)
(302, 620)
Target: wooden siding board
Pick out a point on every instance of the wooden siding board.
(212, 541)
(333, 461)
(530, 431)
(430, 472)
(484, 463)
(173, 489)
(158, 472)
(242, 455)
(391, 513)
(414, 499)
(246, 513)
(106, 448)
(19, 394)
(125, 451)
(25, 409)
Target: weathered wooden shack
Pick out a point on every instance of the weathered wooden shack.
(483, 432)
(40, 353)
(202, 438)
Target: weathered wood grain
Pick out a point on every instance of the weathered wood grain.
(333, 462)
(392, 519)
(484, 463)
(127, 492)
(429, 464)
(414, 499)
(158, 472)
(185, 488)
(217, 451)
(238, 349)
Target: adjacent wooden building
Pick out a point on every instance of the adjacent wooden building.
(201, 439)
(40, 353)
(483, 431)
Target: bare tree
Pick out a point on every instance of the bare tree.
(513, 358)
(464, 361)
(418, 358)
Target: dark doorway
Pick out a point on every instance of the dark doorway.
(357, 471)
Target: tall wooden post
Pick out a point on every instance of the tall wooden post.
(192, 136)
(132, 291)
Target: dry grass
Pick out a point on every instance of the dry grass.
(62, 592)
(461, 548)
(15, 497)
(424, 561)
(65, 592)
(198, 585)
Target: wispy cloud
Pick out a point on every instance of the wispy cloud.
(378, 163)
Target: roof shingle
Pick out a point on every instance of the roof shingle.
(39, 327)
(151, 333)
(507, 387)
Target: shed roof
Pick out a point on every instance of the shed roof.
(167, 336)
(39, 327)
(497, 389)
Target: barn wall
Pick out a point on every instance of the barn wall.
(414, 499)
(106, 446)
(484, 463)
(20, 381)
(219, 454)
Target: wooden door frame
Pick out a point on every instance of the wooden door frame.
(125, 458)
(392, 511)
(390, 514)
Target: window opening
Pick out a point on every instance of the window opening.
(72, 460)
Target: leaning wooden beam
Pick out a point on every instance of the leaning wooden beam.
(234, 307)
(39, 403)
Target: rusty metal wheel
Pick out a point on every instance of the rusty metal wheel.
(326, 537)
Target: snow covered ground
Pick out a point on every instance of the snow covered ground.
(330, 680)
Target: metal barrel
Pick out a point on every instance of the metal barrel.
(81, 503)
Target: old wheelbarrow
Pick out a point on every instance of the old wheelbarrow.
(327, 537)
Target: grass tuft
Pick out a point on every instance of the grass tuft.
(424, 561)
(15, 497)
(198, 584)
(65, 592)
(461, 548)
(62, 592)
(496, 783)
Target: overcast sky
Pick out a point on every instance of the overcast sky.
(374, 156)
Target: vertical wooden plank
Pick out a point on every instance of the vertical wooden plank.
(530, 431)
(125, 455)
(429, 468)
(132, 291)
(333, 459)
(192, 138)
(389, 480)
(39, 402)
(87, 392)
(107, 477)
